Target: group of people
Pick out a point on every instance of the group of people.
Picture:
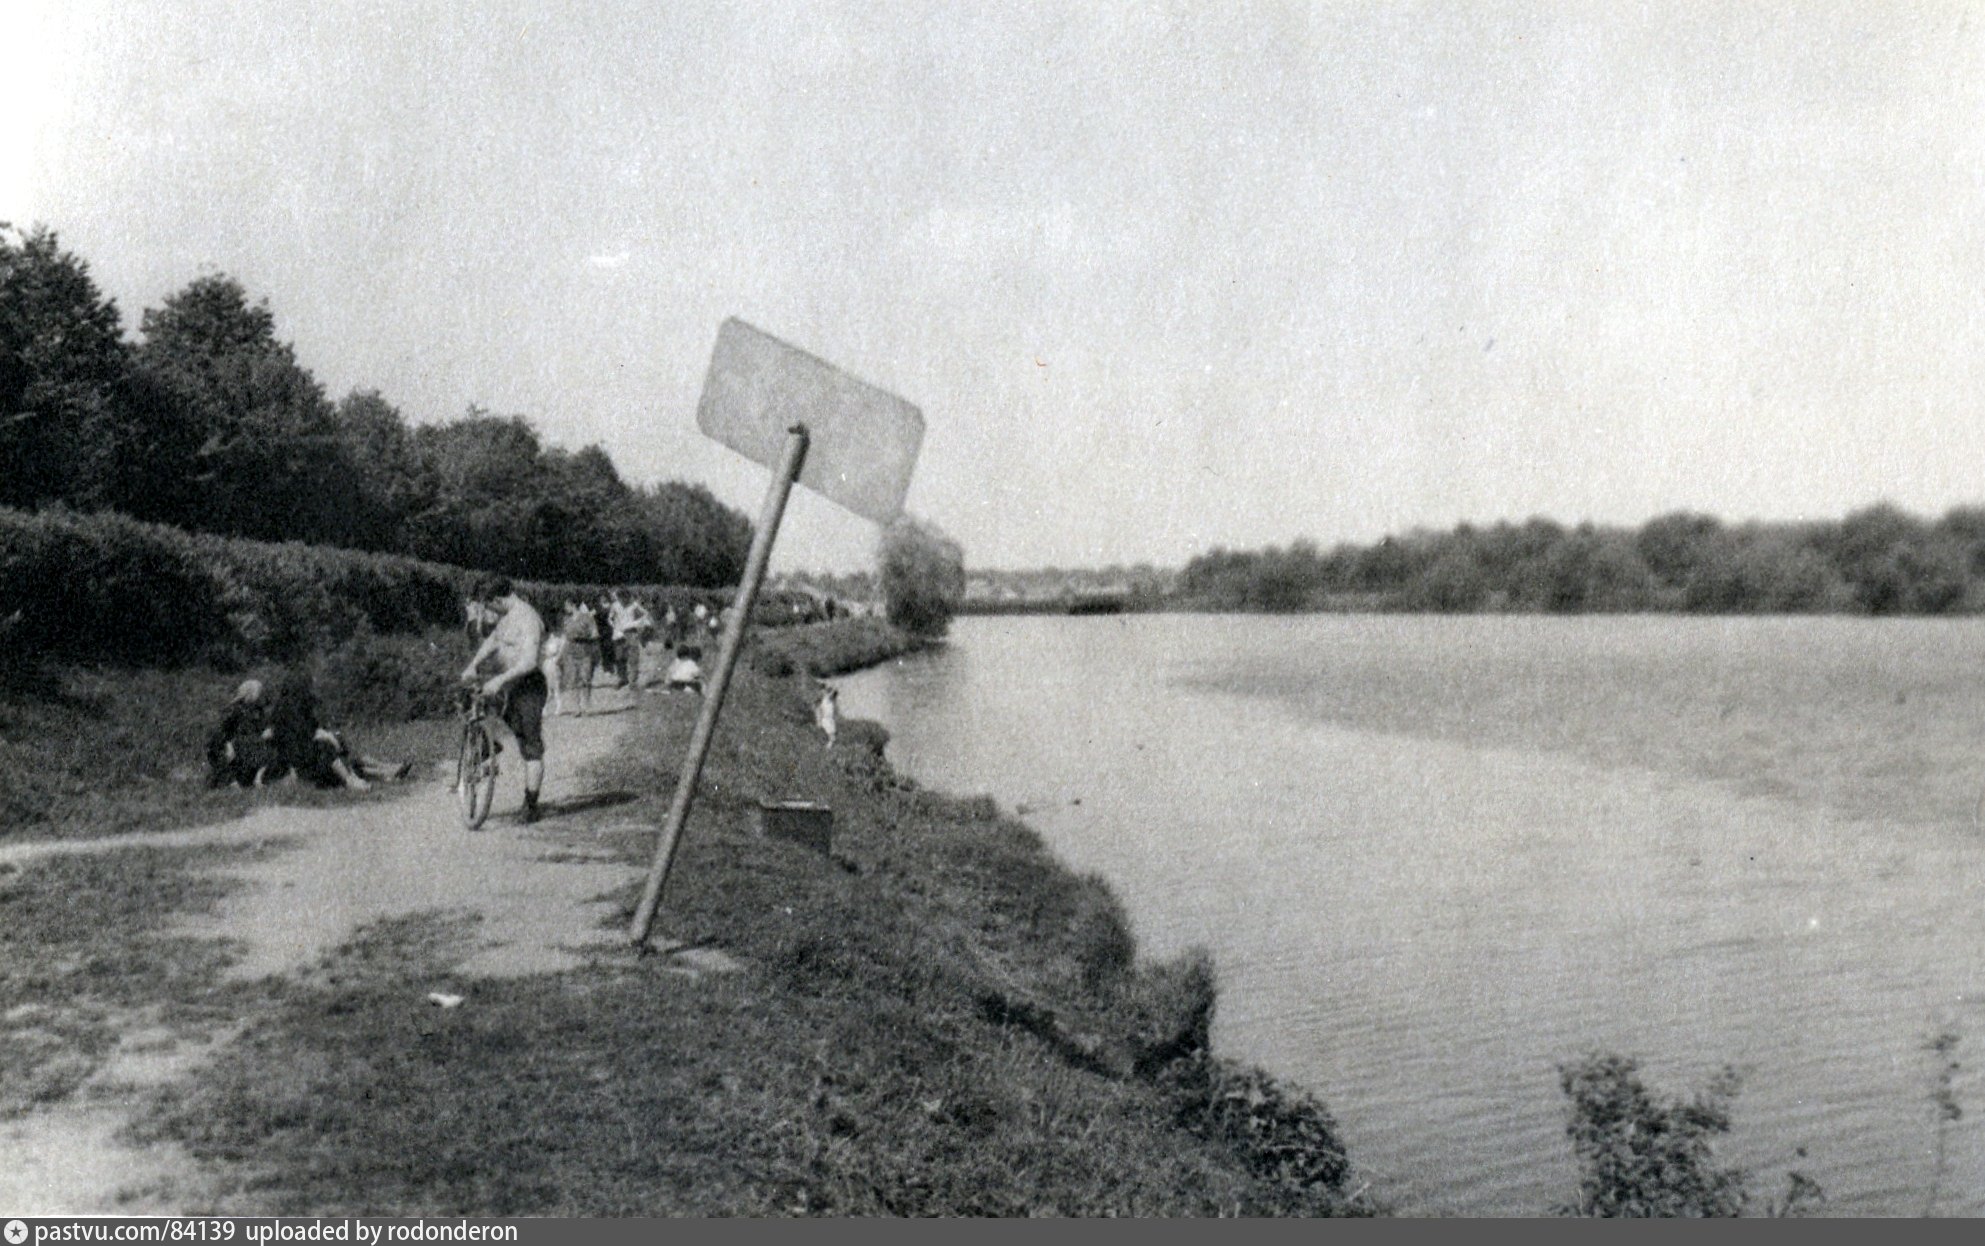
(519, 663)
(611, 635)
(264, 737)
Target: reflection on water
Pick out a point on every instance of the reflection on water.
(1426, 882)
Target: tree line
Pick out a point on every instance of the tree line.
(1880, 560)
(208, 422)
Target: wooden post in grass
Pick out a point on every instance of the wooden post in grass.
(810, 422)
(720, 680)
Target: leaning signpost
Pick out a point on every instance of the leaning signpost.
(807, 420)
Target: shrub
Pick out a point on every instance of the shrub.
(101, 586)
(923, 577)
(388, 678)
(1282, 1133)
(105, 587)
(1642, 1157)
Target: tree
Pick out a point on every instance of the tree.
(1453, 582)
(1869, 550)
(1593, 570)
(482, 474)
(392, 481)
(923, 576)
(1675, 546)
(491, 496)
(270, 462)
(65, 374)
(1763, 571)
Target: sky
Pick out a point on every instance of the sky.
(1160, 277)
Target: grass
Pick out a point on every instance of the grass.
(618, 1092)
(828, 649)
(935, 1019)
(84, 943)
(96, 750)
(88, 751)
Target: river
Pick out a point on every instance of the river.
(1434, 858)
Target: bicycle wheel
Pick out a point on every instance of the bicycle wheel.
(475, 774)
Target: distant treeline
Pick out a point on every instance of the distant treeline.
(1880, 560)
(209, 423)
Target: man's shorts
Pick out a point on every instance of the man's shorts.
(523, 713)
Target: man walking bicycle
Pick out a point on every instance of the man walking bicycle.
(517, 643)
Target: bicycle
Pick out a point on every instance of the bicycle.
(475, 759)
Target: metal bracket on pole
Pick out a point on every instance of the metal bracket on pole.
(713, 700)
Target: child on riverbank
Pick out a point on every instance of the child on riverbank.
(827, 713)
(685, 673)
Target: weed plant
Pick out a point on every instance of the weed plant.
(1943, 1098)
(1643, 1156)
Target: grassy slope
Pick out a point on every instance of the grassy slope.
(88, 751)
(938, 1019)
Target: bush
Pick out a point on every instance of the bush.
(1641, 1157)
(923, 577)
(101, 586)
(288, 599)
(381, 679)
(105, 587)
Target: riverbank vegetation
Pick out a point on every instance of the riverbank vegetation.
(922, 577)
(1643, 1156)
(834, 648)
(935, 1018)
(1879, 560)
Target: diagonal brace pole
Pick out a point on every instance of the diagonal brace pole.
(713, 696)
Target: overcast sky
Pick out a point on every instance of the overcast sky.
(1160, 278)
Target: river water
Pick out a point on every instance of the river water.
(1434, 858)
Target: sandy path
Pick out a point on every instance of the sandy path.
(534, 894)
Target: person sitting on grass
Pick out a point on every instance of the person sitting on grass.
(312, 751)
(241, 751)
(685, 672)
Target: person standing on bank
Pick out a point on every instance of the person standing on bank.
(582, 651)
(517, 643)
(631, 624)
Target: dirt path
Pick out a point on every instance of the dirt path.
(533, 897)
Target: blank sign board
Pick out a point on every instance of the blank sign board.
(862, 441)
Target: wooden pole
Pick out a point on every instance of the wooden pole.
(713, 695)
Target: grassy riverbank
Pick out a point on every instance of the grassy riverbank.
(935, 1019)
(103, 749)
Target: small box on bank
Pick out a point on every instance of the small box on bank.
(801, 821)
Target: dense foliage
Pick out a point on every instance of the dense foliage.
(1879, 560)
(210, 423)
(105, 587)
(923, 577)
(1642, 1156)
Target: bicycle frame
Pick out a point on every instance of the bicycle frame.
(475, 759)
